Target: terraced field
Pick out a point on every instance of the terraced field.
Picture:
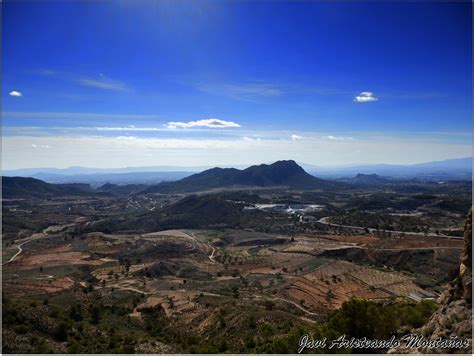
(336, 282)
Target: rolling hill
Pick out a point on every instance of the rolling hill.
(191, 212)
(31, 187)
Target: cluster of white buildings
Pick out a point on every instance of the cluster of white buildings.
(284, 208)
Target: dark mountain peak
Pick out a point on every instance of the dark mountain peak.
(281, 173)
(287, 163)
(278, 166)
(284, 164)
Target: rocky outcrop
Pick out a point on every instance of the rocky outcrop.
(465, 271)
(453, 319)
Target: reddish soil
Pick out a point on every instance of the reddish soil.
(419, 242)
(54, 257)
(334, 283)
(45, 286)
(358, 239)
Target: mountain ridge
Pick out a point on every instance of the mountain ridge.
(278, 174)
(285, 173)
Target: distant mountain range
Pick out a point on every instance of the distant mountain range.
(460, 168)
(278, 174)
(448, 169)
(286, 174)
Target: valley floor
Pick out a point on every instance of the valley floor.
(207, 289)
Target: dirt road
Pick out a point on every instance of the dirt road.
(325, 221)
(40, 235)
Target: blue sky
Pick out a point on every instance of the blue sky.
(234, 82)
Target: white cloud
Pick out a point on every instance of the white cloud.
(102, 82)
(365, 97)
(296, 137)
(15, 93)
(211, 123)
(40, 146)
(250, 139)
(338, 138)
(126, 138)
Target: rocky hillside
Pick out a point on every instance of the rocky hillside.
(454, 317)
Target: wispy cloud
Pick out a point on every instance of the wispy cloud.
(250, 139)
(99, 81)
(15, 93)
(318, 137)
(102, 82)
(47, 72)
(126, 138)
(211, 123)
(365, 97)
(243, 91)
(40, 146)
(252, 91)
(330, 137)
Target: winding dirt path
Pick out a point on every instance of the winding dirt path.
(20, 250)
(40, 235)
(211, 256)
(193, 237)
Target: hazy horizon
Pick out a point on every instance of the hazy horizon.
(164, 168)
